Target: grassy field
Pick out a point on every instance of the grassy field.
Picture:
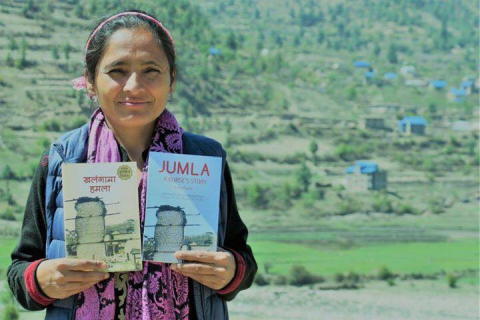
(402, 258)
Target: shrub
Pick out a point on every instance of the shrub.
(405, 208)
(381, 203)
(8, 214)
(300, 276)
(52, 125)
(10, 312)
(452, 280)
(260, 279)
(391, 282)
(339, 277)
(383, 273)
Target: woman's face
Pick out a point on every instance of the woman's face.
(132, 80)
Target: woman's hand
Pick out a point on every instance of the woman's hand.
(212, 269)
(62, 278)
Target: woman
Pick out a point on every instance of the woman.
(130, 70)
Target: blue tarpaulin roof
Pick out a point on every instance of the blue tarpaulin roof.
(369, 74)
(365, 167)
(439, 84)
(413, 120)
(466, 84)
(362, 64)
(390, 76)
(214, 51)
(458, 92)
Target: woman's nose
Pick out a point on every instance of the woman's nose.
(134, 83)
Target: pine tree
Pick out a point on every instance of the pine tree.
(392, 54)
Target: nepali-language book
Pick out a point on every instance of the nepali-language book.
(183, 205)
(101, 214)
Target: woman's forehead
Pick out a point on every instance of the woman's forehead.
(129, 46)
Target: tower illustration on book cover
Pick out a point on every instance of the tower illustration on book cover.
(101, 215)
(183, 202)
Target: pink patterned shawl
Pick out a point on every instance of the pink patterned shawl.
(155, 292)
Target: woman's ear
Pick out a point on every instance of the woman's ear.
(90, 87)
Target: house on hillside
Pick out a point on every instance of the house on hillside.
(390, 76)
(438, 85)
(214, 51)
(418, 83)
(362, 64)
(369, 77)
(412, 125)
(364, 176)
(374, 123)
(457, 94)
(408, 71)
(468, 86)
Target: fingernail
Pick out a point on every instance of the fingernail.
(106, 276)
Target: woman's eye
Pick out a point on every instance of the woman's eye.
(152, 70)
(116, 71)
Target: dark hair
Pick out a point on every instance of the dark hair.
(100, 39)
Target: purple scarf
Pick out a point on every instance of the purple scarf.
(156, 292)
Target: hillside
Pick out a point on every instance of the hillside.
(286, 87)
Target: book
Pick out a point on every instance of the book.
(101, 214)
(183, 205)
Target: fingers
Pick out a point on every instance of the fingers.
(198, 268)
(210, 281)
(81, 265)
(217, 258)
(85, 276)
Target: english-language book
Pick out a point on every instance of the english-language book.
(183, 204)
(101, 214)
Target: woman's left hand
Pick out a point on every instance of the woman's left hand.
(212, 269)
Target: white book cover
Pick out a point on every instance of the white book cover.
(101, 214)
(183, 205)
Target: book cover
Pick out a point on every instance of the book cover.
(183, 204)
(101, 214)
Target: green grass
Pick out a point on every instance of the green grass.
(6, 247)
(401, 258)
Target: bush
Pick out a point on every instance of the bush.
(383, 273)
(452, 280)
(381, 203)
(8, 214)
(52, 125)
(260, 279)
(10, 312)
(405, 208)
(339, 277)
(300, 276)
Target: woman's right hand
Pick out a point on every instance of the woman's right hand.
(62, 278)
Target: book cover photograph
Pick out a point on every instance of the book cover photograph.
(183, 202)
(101, 214)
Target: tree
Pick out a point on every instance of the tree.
(255, 195)
(303, 176)
(231, 41)
(55, 53)
(313, 150)
(392, 54)
(377, 50)
(12, 45)
(9, 60)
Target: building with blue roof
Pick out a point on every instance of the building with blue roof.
(468, 86)
(364, 176)
(369, 77)
(438, 84)
(412, 125)
(361, 64)
(214, 51)
(457, 94)
(390, 76)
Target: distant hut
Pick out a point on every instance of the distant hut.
(369, 77)
(457, 94)
(214, 51)
(362, 64)
(408, 71)
(374, 123)
(364, 176)
(468, 86)
(390, 76)
(416, 83)
(412, 125)
(438, 85)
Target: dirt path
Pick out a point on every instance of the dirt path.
(422, 300)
